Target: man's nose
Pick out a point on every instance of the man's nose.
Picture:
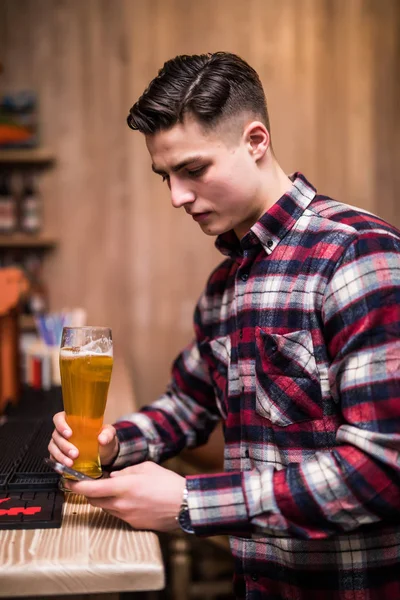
(180, 193)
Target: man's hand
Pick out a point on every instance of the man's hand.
(146, 496)
(64, 452)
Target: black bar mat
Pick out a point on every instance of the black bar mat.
(32, 473)
(23, 446)
(29, 495)
(15, 439)
(31, 510)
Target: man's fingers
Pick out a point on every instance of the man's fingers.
(59, 447)
(65, 447)
(106, 503)
(124, 472)
(56, 453)
(115, 474)
(61, 424)
(103, 488)
(109, 504)
(133, 470)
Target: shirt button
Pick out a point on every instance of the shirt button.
(244, 276)
(254, 577)
(246, 453)
(270, 243)
(241, 334)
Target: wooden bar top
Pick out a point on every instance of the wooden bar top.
(92, 552)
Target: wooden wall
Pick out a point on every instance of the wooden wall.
(332, 77)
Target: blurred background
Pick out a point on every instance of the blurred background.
(90, 224)
(331, 71)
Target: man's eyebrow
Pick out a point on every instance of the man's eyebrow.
(179, 166)
(158, 171)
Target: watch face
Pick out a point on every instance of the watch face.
(184, 521)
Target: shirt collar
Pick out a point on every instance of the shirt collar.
(272, 227)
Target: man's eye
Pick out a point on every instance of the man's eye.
(196, 172)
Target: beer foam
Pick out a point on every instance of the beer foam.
(68, 353)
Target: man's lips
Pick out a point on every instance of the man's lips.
(200, 216)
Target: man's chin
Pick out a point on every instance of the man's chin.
(214, 229)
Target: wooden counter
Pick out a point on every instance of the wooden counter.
(92, 552)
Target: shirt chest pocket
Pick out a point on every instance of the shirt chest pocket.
(217, 354)
(287, 382)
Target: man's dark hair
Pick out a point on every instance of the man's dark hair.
(211, 87)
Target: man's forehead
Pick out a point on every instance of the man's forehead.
(180, 144)
(183, 134)
(192, 136)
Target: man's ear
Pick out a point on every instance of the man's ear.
(257, 139)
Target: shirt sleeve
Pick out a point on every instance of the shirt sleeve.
(183, 417)
(356, 483)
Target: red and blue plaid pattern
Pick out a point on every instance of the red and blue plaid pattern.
(297, 349)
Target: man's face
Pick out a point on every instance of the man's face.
(213, 175)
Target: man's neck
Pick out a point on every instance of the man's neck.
(275, 184)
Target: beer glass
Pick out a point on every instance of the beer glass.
(86, 360)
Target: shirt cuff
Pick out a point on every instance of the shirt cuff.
(217, 504)
(261, 503)
(133, 447)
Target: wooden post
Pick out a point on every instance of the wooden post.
(12, 285)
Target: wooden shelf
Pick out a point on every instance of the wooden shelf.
(27, 156)
(20, 240)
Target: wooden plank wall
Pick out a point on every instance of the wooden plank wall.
(331, 73)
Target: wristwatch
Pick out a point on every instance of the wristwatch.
(183, 517)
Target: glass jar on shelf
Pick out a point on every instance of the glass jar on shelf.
(30, 212)
(8, 205)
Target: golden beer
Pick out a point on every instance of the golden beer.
(85, 379)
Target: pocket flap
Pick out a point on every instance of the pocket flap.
(288, 388)
(291, 352)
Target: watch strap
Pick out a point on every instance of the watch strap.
(183, 517)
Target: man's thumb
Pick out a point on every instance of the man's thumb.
(127, 471)
(107, 434)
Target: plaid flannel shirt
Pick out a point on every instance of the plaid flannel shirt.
(297, 349)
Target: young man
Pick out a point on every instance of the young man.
(296, 348)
